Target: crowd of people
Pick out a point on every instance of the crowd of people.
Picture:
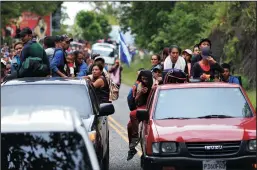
(197, 64)
(53, 57)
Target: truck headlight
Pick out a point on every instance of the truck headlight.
(156, 147)
(169, 147)
(252, 145)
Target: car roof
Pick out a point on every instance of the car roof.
(106, 45)
(199, 85)
(63, 119)
(45, 80)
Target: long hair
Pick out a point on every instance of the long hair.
(149, 75)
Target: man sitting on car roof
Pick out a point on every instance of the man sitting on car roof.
(227, 77)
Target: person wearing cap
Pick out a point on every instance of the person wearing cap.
(206, 67)
(203, 43)
(58, 62)
(187, 55)
(157, 75)
(32, 51)
(226, 76)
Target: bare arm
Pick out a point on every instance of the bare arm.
(98, 83)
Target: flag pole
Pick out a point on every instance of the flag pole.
(119, 46)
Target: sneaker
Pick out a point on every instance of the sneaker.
(131, 154)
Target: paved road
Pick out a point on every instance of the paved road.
(118, 135)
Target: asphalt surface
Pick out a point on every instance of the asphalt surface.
(118, 135)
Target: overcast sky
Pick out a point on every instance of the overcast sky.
(73, 8)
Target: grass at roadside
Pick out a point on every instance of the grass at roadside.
(129, 76)
(252, 96)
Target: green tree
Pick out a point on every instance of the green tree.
(11, 9)
(109, 9)
(144, 19)
(91, 25)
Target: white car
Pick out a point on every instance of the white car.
(53, 139)
(106, 51)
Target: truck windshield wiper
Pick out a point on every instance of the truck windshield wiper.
(216, 116)
(177, 118)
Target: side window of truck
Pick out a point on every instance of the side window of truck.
(150, 98)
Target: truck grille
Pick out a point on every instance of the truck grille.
(198, 149)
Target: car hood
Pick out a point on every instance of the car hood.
(197, 130)
(88, 122)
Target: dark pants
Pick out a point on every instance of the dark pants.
(132, 128)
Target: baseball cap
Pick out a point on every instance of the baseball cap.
(156, 68)
(66, 38)
(205, 52)
(203, 40)
(57, 38)
(25, 31)
(188, 51)
(99, 58)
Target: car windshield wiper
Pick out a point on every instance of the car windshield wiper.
(216, 116)
(177, 118)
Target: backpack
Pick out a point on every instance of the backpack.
(131, 100)
(174, 76)
(33, 67)
(114, 91)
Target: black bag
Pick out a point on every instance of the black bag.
(33, 67)
(174, 76)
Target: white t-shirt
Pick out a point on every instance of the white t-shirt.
(180, 64)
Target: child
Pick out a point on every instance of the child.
(70, 66)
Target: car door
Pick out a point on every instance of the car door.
(99, 124)
(145, 124)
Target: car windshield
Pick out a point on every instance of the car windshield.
(104, 53)
(201, 103)
(21, 99)
(44, 150)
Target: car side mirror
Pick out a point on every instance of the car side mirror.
(142, 114)
(106, 109)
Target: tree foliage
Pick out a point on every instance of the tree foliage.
(13, 9)
(91, 26)
(161, 24)
(230, 25)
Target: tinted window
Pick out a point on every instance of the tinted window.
(44, 151)
(28, 98)
(197, 102)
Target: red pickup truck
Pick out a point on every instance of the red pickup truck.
(198, 126)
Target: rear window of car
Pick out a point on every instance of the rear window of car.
(44, 150)
(21, 99)
(198, 102)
